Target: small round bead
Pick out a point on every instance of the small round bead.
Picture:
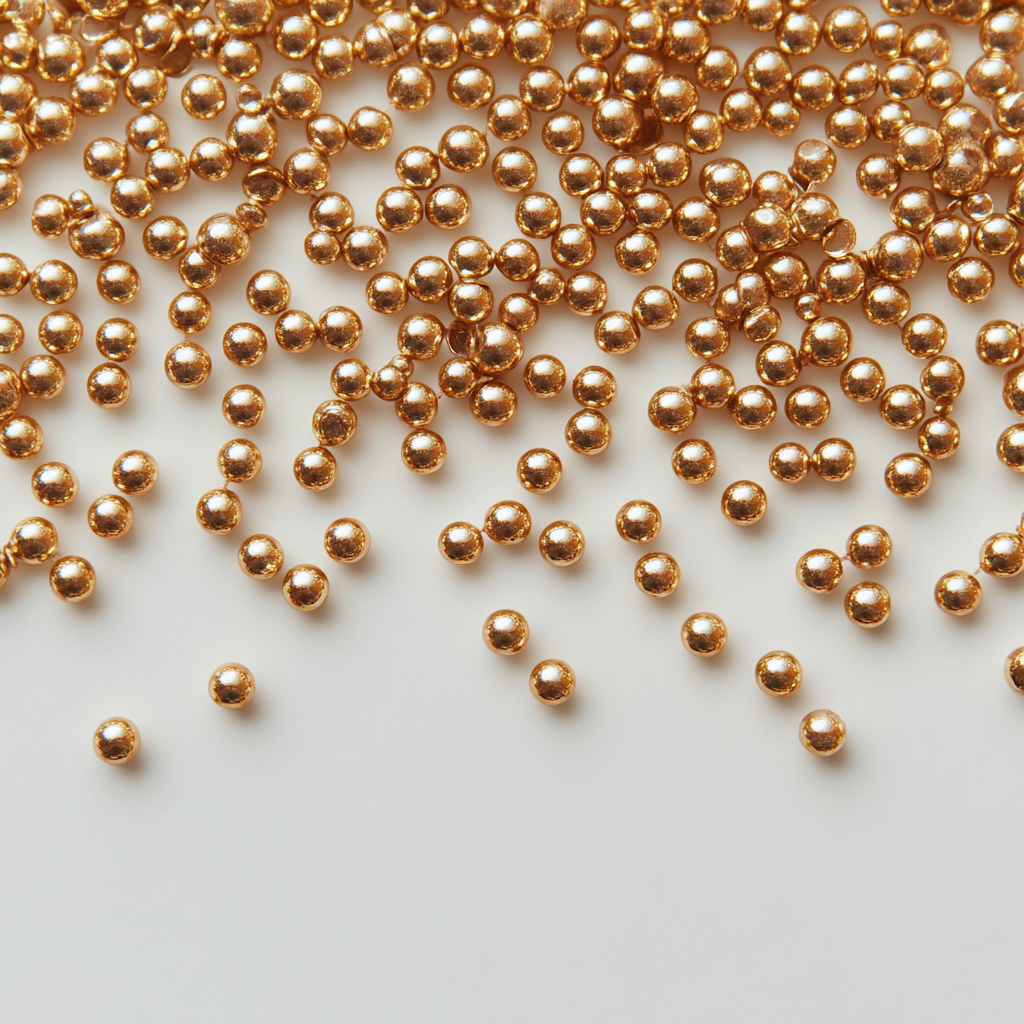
(822, 732)
(135, 472)
(347, 540)
(819, 570)
(116, 740)
(219, 511)
(42, 377)
(744, 503)
(60, 332)
(188, 365)
(671, 409)
(862, 380)
(868, 547)
(657, 574)
(315, 468)
(33, 541)
(539, 470)
(239, 461)
(243, 405)
(752, 407)
(305, 587)
(1002, 555)
(562, 543)
(594, 387)
(72, 579)
(552, 681)
(908, 476)
(704, 634)
(507, 522)
(110, 517)
(54, 484)
(506, 632)
(21, 437)
(807, 406)
(461, 543)
(638, 521)
(588, 432)
(1010, 448)
(867, 604)
(423, 451)
(268, 292)
(260, 557)
(232, 686)
(493, 403)
(12, 333)
(694, 461)
(778, 673)
(1013, 670)
(789, 463)
(958, 592)
(544, 376)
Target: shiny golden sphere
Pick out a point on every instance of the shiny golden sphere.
(423, 451)
(588, 432)
(552, 681)
(110, 517)
(819, 570)
(507, 522)
(868, 547)
(351, 379)
(118, 281)
(42, 377)
(704, 634)
(493, 403)
(563, 133)
(369, 129)
(268, 292)
(410, 87)
(789, 463)
(53, 282)
(538, 215)
(1013, 670)
(21, 437)
(460, 543)
(347, 540)
(999, 343)
(72, 579)
(753, 407)
(135, 472)
(457, 378)
(33, 541)
(506, 632)
(188, 365)
(1009, 448)
(657, 574)
(902, 406)
(744, 503)
(694, 461)
(219, 511)
(315, 468)
(822, 732)
(239, 461)
(638, 521)
(562, 543)
(807, 406)
(109, 386)
(232, 686)
(970, 280)
(594, 387)
(470, 86)
(655, 308)
(712, 386)
(364, 248)
(244, 344)
(908, 476)
(671, 409)
(544, 376)
(958, 592)
(616, 333)
(116, 740)
(334, 422)
(243, 405)
(462, 148)
(54, 484)
(778, 673)
(305, 587)
(539, 470)
(867, 604)
(1002, 555)
(862, 380)
(12, 333)
(189, 312)
(938, 437)
(834, 460)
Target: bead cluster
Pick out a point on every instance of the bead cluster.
(642, 107)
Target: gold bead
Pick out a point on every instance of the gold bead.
(508, 118)
(399, 209)
(189, 312)
(506, 632)
(562, 133)
(188, 365)
(562, 543)
(958, 592)
(656, 574)
(594, 387)
(712, 386)
(116, 740)
(753, 407)
(470, 86)
(588, 432)
(638, 521)
(822, 732)
(347, 540)
(239, 461)
(305, 587)
(552, 681)
(42, 377)
(539, 470)
(655, 308)
(826, 341)
(232, 686)
(1002, 555)
(53, 282)
(671, 409)
(10, 391)
(72, 579)
(778, 673)
(334, 422)
(135, 472)
(493, 402)
(867, 604)
(423, 451)
(819, 570)
(544, 376)
(460, 543)
(315, 468)
(118, 281)
(245, 344)
(789, 463)
(507, 522)
(869, 547)
(694, 461)
(902, 406)
(219, 511)
(268, 292)
(33, 541)
(744, 503)
(351, 379)
(704, 634)
(110, 517)
(448, 206)
(243, 405)
(908, 476)
(457, 378)
(20, 437)
(834, 460)
(777, 364)
(369, 129)
(616, 333)
(411, 87)
(862, 380)
(109, 386)
(970, 280)
(807, 406)
(12, 333)
(603, 212)
(260, 557)
(54, 484)
(1009, 448)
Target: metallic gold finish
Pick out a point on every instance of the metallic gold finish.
(908, 476)
(704, 634)
(506, 632)
(657, 574)
(694, 461)
(116, 740)
(1002, 555)
(260, 557)
(868, 547)
(588, 432)
(347, 540)
(822, 732)
(958, 592)
(507, 523)
(110, 517)
(638, 521)
(232, 686)
(188, 365)
(778, 673)
(744, 503)
(54, 484)
(460, 543)
(305, 587)
(552, 681)
(539, 470)
(72, 579)
(562, 543)
(819, 570)
(867, 604)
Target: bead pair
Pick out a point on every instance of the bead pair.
(867, 604)
(507, 632)
(33, 541)
(656, 573)
(779, 674)
(1002, 555)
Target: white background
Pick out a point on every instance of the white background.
(396, 830)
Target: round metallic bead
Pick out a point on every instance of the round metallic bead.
(347, 540)
(54, 484)
(135, 472)
(189, 312)
(351, 379)
(867, 604)
(33, 541)
(789, 463)
(110, 517)
(834, 460)
(1013, 670)
(508, 118)
(42, 377)
(869, 547)
(655, 308)
(694, 461)
(423, 451)
(239, 461)
(807, 406)
(188, 365)
(219, 511)
(118, 281)
(908, 476)
(594, 387)
(958, 592)
(970, 280)
(562, 543)
(448, 206)
(638, 521)
(544, 376)
(616, 333)
(410, 87)
(538, 215)
(671, 409)
(657, 574)
(1010, 448)
(744, 503)
(712, 386)
(116, 740)
(777, 364)
(862, 380)
(315, 468)
(778, 673)
(1002, 555)
(268, 292)
(460, 543)
(506, 632)
(109, 386)
(822, 732)
(232, 686)
(819, 570)
(588, 432)
(902, 406)
(463, 148)
(704, 634)
(753, 407)
(507, 522)
(53, 282)
(244, 344)
(305, 587)
(72, 579)
(539, 470)
(243, 405)
(12, 333)
(470, 86)
(21, 437)
(552, 681)
(369, 128)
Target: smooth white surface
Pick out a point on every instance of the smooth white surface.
(396, 830)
